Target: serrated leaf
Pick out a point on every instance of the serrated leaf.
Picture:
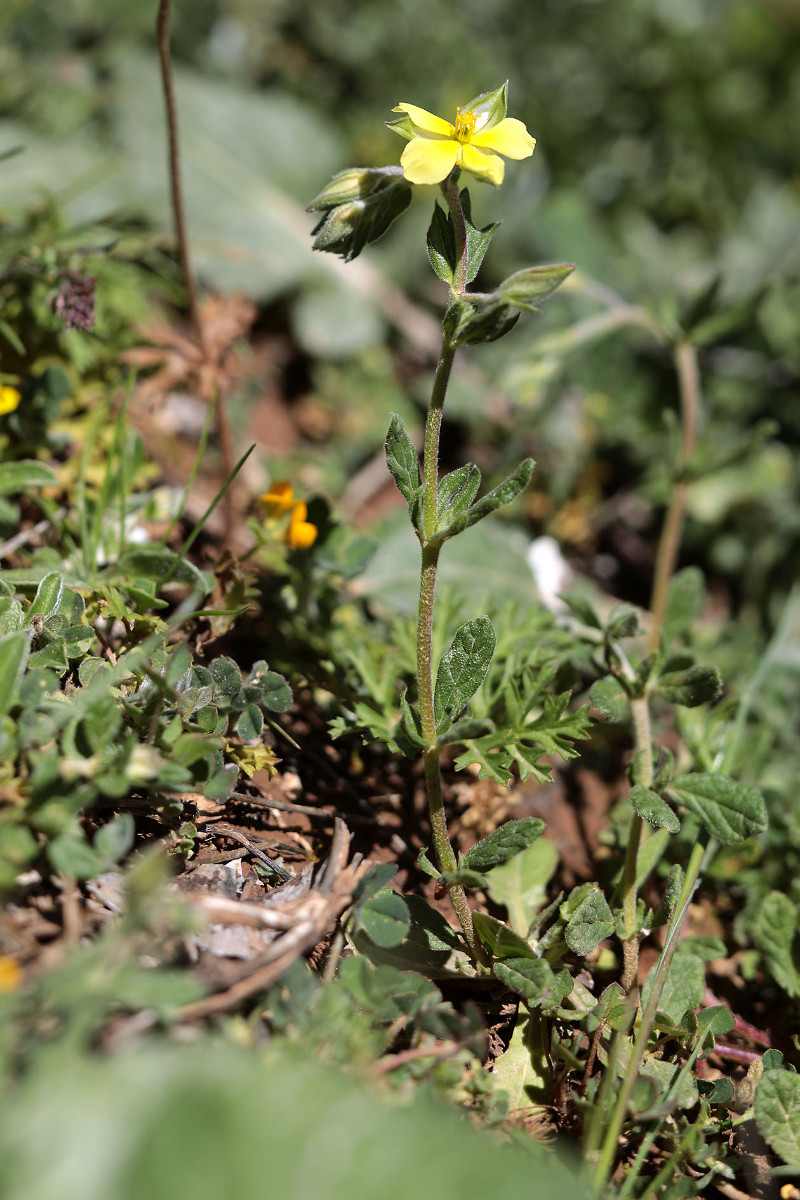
(651, 808)
(699, 685)
(777, 1112)
(731, 811)
(402, 460)
(499, 939)
(503, 844)
(610, 699)
(775, 933)
(503, 494)
(589, 923)
(462, 670)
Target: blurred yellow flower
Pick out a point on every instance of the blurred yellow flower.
(279, 499)
(10, 974)
(300, 533)
(9, 399)
(473, 143)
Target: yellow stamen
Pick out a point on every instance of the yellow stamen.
(465, 125)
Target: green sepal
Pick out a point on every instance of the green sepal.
(462, 670)
(503, 494)
(527, 288)
(403, 462)
(651, 808)
(492, 105)
(375, 197)
(472, 319)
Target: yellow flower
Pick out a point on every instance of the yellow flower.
(9, 399)
(301, 533)
(279, 499)
(475, 143)
(10, 974)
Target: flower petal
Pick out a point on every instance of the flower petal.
(426, 123)
(486, 166)
(9, 399)
(509, 137)
(279, 499)
(427, 160)
(301, 533)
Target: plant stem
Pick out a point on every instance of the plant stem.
(605, 1162)
(686, 365)
(178, 216)
(685, 357)
(643, 749)
(431, 548)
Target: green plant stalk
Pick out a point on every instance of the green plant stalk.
(688, 372)
(431, 548)
(605, 1163)
(686, 366)
(643, 748)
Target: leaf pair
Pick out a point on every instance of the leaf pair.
(457, 508)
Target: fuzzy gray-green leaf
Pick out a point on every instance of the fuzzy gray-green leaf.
(777, 1111)
(775, 933)
(503, 494)
(651, 808)
(589, 923)
(462, 670)
(402, 460)
(503, 844)
(731, 811)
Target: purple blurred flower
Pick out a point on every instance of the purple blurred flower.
(74, 300)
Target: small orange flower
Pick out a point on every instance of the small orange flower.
(279, 499)
(301, 533)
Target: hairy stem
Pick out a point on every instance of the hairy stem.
(643, 749)
(688, 374)
(431, 548)
(605, 1163)
(686, 366)
(178, 215)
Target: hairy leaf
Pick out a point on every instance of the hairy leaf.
(731, 811)
(462, 670)
(503, 844)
